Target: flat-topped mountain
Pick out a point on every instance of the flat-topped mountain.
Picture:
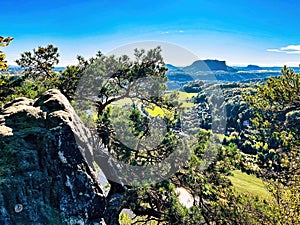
(202, 65)
(208, 65)
(216, 70)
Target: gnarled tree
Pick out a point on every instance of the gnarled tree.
(39, 63)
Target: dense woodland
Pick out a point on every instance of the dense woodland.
(251, 127)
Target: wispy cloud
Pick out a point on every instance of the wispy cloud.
(172, 32)
(290, 49)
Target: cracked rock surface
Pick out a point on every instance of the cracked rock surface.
(46, 164)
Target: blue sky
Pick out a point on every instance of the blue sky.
(240, 32)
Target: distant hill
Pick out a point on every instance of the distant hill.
(253, 67)
(216, 70)
(208, 65)
(202, 66)
(12, 68)
(172, 68)
(208, 70)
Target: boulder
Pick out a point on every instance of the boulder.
(47, 173)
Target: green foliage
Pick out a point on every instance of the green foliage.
(128, 79)
(280, 93)
(38, 75)
(70, 77)
(215, 200)
(277, 138)
(14, 86)
(143, 82)
(139, 123)
(249, 184)
(193, 87)
(227, 106)
(8, 83)
(273, 105)
(39, 64)
(4, 42)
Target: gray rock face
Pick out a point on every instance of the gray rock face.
(46, 176)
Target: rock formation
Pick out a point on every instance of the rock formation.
(46, 176)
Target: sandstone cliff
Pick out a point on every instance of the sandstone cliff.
(46, 176)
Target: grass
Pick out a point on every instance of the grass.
(186, 98)
(157, 111)
(249, 184)
(185, 95)
(187, 104)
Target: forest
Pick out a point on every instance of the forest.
(228, 152)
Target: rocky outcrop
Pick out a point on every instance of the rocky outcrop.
(46, 165)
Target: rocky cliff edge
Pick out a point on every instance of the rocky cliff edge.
(46, 176)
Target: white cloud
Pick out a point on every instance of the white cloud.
(290, 49)
(172, 32)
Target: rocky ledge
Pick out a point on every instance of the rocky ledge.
(46, 176)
